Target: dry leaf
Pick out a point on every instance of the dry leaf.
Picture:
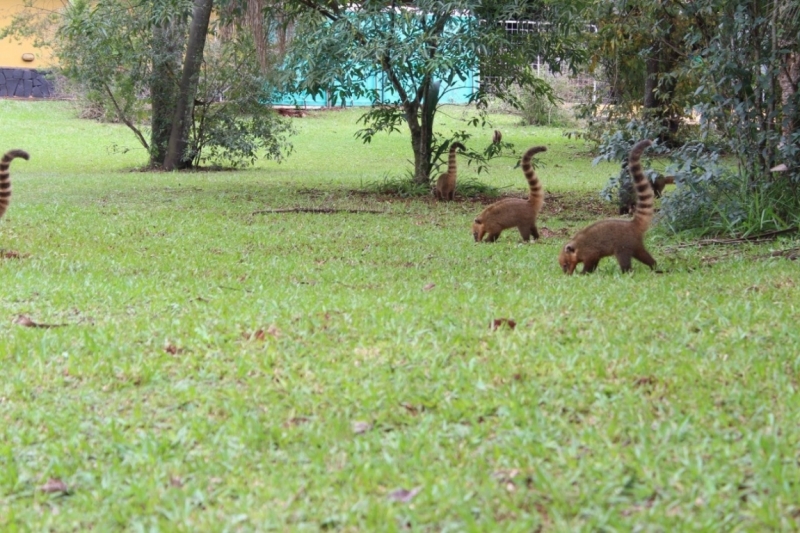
(412, 409)
(295, 421)
(25, 321)
(403, 495)
(497, 323)
(175, 481)
(645, 380)
(172, 349)
(428, 287)
(261, 334)
(11, 254)
(54, 485)
(360, 427)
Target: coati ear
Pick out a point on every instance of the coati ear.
(569, 249)
(477, 221)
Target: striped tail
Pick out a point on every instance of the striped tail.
(5, 178)
(451, 159)
(536, 197)
(644, 189)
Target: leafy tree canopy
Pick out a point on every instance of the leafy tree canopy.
(421, 50)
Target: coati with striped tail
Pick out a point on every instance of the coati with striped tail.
(624, 239)
(446, 184)
(5, 178)
(627, 198)
(513, 212)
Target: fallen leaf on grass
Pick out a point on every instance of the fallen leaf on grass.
(296, 421)
(360, 427)
(25, 321)
(645, 380)
(172, 349)
(261, 334)
(403, 495)
(412, 409)
(54, 485)
(11, 254)
(428, 287)
(497, 323)
(175, 481)
(506, 478)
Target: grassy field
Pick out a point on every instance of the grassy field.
(219, 370)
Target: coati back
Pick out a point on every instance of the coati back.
(446, 184)
(624, 239)
(513, 212)
(5, 178)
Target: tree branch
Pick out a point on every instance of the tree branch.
(125, 119)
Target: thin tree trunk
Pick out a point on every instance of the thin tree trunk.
(420, 143)
(168, 42)
(789, 79)
(178, 139)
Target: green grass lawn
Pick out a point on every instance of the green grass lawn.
(219, 370)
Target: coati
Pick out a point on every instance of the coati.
(498, 137)
(627, 198)
(624, 239)
(513, 212)
(5, 178)
(446, 184)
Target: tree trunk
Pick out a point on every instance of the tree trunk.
(651, 81)
(421, 126)
(420, 143)
(168, 42)
(659, 90)
(789, 79)
(179, 137)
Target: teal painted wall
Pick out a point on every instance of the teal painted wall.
(458, 93)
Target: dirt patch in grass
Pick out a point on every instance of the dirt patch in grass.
(567, 206)
(577, 206)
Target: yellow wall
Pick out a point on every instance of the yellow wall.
(11, 49)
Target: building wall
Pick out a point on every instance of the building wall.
(11, 49)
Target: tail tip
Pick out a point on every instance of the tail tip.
(12, 154)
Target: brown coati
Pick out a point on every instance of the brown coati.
(513, 212)
(446, 184)
(627, 198)
(624, 239)
(660, 183)
(498, 137)
(5, 178)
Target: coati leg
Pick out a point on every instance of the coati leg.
(525, 233)
(624, 260)
(645, 257)
(589, 266)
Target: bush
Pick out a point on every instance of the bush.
(541, 108)
(234, 123)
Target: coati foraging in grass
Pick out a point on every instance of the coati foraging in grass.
(498, 137)
(513, 212)
(5, 178)
(624, 239)
(660, 183)
(627, 198)
(446, 184)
